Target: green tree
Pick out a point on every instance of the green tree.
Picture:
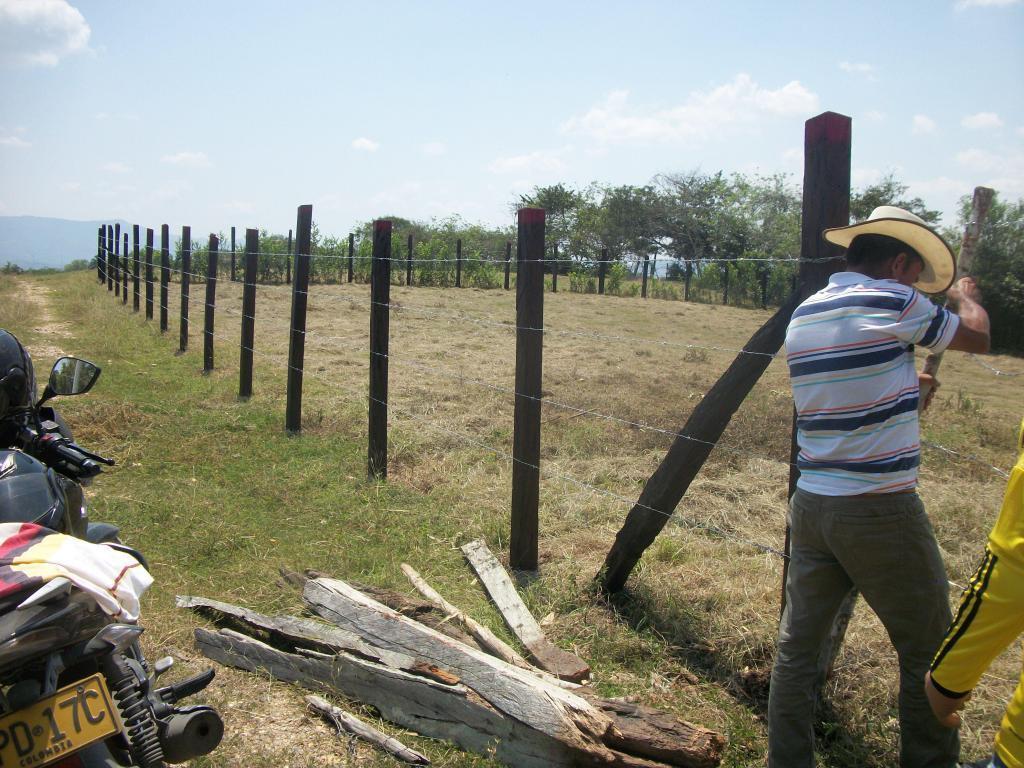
(889, 191)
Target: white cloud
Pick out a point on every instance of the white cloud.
(982, 120)
(115, 166)
(978, 159)
(741, 103)
(922, 124)
(187, 159)
(14, 141)
(856, 67)
(541, 161)
(434, 148)
(240, 206)
(963, 5)
(70, 186)
(364, 144)
(39, 33)
(874, 115)
(862, 177)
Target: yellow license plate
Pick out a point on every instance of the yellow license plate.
(52, 728)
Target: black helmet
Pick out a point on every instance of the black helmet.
(17, 378)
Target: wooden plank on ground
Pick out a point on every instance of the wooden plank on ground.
(502, 591)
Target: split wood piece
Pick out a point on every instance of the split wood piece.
(344, 721)
(293, 632)
(587, 734)
(490, 642)
(499, 586)
(450, 712)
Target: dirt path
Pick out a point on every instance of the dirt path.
(41, 297)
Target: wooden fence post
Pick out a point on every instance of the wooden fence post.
(186, 283)
(117, 260)
(351, 254)
(408, 262)
(165, 273)
(554, 268)
(99, 254)
(210, 305)
(725, 282)
(643, 284)
(109, 270)
(458, 263)
(245, 353)
(508, 261)
(602, 270)
(288, 261)
(530, 253)
(688, 278)
(380, 299)
(297, 337)
(149, 273)
(136, 267)
(124, 270)
(233, 279)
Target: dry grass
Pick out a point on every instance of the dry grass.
(700, 608)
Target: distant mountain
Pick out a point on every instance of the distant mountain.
(32, 242)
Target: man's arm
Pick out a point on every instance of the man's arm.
(972, 335)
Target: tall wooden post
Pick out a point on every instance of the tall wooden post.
(408, 262)
(643, 285)
(245, 353)
(186, 284)
(233, 279)
(530, 253)
(117, 260)
(688, 278)
(458, 263)
(210, 305)
(380, 299)
(136, 267)
(165, 273)
(99, 254)
(109, 257)
(602, 270)
(725, 282)
(288, 260)
(554, 268)
(508, 262)
(124, 269)
(297, 338)
(351, 254)
(149, 273)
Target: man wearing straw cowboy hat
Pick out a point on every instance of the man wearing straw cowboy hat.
(856, 519)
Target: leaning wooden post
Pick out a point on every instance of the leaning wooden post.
(380, 299)
(408, 261)
(288, 260)
(117, 260)
(458, 263)
(233, 279)
(124, 269)
(529, 366)
(136, 267)
(149, 273)
(186, 284)
(210, 305)
(297, 338)
(245, 353)
(602, 270)
(351, 254)
(643, 285)
(508, 262)
(165, 273)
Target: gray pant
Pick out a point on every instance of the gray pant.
(885, 547)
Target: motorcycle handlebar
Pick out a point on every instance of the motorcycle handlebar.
(61, 454)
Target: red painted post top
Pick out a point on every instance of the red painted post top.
(830, 126)
(382, 225)
(531, 215)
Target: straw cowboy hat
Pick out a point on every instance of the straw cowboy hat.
(939, 262)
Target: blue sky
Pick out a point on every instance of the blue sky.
(226, 113)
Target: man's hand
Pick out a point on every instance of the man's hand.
(965, 287)
(947, 710)
(927, 382)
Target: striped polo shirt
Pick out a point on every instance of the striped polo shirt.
(850, 349)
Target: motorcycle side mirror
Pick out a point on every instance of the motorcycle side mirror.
(70, 376)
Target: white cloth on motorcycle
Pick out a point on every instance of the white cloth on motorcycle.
(31, 555)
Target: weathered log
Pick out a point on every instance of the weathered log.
(517, 616)
(349, 723)
(487, 639)
(666, 487)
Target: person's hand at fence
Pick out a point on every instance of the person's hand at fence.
(965, 287)
(927, 383)
(946, 708)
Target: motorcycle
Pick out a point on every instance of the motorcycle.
(76, 690)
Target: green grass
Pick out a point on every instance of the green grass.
(218, 497)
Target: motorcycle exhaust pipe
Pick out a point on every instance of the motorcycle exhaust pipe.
(191, 732)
